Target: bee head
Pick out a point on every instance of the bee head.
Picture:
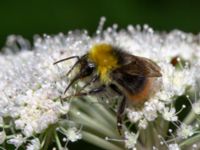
(86, 67)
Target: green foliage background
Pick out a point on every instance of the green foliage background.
(31, 17)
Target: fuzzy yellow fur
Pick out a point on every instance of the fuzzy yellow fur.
(104, 58)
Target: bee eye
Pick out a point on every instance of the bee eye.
(91, 65)
(87, 69)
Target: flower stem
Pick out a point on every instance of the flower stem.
(190, 141)
(190, 118)
(93, 139)
(48, 136)
(98, 107)
(58, 141)
(97, 111)
(91, 123)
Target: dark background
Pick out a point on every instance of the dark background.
(28, 17)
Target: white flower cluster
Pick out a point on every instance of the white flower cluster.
(31, 86)
(130, 140)
(30, 82)
(73, 134)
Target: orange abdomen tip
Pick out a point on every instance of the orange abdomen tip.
(144, 94)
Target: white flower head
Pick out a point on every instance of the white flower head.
(150, 111)
(143, 123)
(173, 147)
(2, 137)
(185, 131)
(165, 96)
(17, 141)
(169, 114)
(64, 108)
(28, 130)
(31, 86)
(181, 80)
(131, 140)
(73, 134)
(134, 116)
(34, 144)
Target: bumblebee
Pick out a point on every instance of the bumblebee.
(128, 75)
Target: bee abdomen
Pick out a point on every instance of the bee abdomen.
(132, 84)
(137, 89)
(143, 94)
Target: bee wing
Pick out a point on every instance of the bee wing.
(139, 66)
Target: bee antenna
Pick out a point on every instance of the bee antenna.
(77, 62)
(72, 82)
(66, 59)
(73, 67)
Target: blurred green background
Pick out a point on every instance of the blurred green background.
(52, 16)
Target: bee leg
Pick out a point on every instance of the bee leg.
(91, 92)
(76, 63)
(94, 79)
(120, 112)
(115, 89)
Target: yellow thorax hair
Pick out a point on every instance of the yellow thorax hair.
(104, 58)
